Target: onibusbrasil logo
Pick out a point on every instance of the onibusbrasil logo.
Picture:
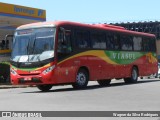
(21, 114)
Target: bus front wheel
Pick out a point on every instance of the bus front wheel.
(134, 76)
(82, 78)
(44, 88)
(104, 82)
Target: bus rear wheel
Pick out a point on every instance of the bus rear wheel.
(81, 79)
(134, 76)
(44, 88)
(104, 82)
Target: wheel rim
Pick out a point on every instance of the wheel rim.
(81, 78)
(134, 74)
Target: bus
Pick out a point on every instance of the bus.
(63, 52)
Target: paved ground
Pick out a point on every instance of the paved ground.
(143, 96)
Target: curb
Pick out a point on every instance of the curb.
(13, 86)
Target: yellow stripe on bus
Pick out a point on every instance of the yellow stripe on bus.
(96, 53)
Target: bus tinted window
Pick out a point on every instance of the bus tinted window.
(153, 44)
(126, 42)
(109, 41)
(148, 44)
(116, 42)
(98, 40)
(103, 41)
(112, 41)
(82, 39)
(137, 43)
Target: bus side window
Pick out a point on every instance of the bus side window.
(152, 43)
(82, 39)
(109, 41)
(64, 44)
(98, 40)
(116, 42)
(126, 42)
(95, 41)
(137, 43)
(68, 41)
(146, 46)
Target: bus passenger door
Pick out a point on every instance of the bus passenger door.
(64, 50)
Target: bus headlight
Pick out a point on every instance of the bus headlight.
(13, 72)
(48, 70)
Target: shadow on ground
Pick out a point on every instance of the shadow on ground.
(95, 86)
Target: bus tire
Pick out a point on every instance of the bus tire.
(134, 76)
(104, 82)
(82, 79)
(44, 88)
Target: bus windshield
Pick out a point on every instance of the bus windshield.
(32, 45)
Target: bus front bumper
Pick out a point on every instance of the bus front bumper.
(32, 79)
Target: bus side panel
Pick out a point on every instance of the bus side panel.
(146, 67)
(67, 71)
(95, 65)
(152, 68)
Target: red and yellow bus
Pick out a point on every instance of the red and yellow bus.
(62, 52)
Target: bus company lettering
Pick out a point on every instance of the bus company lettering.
(23, 10)
(124, 56)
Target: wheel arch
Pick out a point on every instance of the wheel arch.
(81, 83)
(86, 69)
(135, 66)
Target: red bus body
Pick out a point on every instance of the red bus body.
(99, 64)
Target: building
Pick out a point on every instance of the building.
(12, 16)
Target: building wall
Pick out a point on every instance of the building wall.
(4, 32)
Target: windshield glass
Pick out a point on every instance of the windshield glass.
(32, 45)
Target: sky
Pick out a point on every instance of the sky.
(96, 11)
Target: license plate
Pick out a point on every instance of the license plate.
(27, 79)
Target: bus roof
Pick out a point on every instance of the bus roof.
(94, 26)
